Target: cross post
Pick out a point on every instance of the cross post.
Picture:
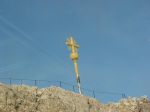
(71, 43)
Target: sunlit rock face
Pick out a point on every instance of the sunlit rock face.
(31, 99)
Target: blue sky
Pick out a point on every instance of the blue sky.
(113, 36)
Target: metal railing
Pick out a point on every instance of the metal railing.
(46, 83)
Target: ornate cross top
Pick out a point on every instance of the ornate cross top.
(71, 43)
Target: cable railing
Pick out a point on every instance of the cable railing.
(46, 83)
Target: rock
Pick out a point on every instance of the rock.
(54, 99)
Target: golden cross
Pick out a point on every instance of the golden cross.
(71, 43)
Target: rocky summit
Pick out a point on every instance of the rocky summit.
(24, 98)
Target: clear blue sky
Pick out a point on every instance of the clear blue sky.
(114, 39)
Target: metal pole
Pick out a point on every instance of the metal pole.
(21, 81)
(10, 82)
(79, 87)
(73, 88)
(35, 82)
(60, 83)
(93, 94)
(77, 76)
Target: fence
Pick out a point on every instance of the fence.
(104, 96)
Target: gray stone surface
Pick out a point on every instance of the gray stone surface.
(31, 99)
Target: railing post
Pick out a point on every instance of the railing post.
(21, 82)
(93, 94)
(35, 82)
(123, 95)
(60, 83)
(73, 88)
(10, 81)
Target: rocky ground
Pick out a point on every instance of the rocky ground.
(31, 99)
